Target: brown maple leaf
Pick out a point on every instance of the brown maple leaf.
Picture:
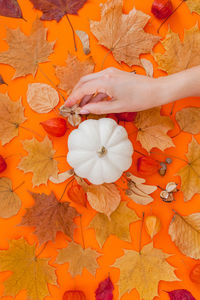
(26, 52)
(49, 216)
(122, 33)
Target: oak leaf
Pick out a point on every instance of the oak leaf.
(188, 119)
(117, 225)
(49, 216)
(70, 74)
(28, 271)
(10, 203)
(41, 97)
(194, 6)
(190, 174)
(10, 9)
(185, 233)
(26, 52)
(138, 191)
(142, 270)
(153, 128)
(122, 33)
(55, 10)
(180, 55)
(39, 160)
(11, 117)
(78, 259)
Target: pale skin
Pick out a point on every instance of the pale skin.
(129, 92)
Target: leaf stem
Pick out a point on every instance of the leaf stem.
(30, 130)
(66, 188)
(60, 156)
(40, 252)
(73, 32)
(172, 109)
(104, 59)
(18, 186)
(82, 235)
(140, 241)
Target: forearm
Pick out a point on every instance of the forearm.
(178, 86)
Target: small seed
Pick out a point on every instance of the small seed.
(162, 172)
(171, 187)
(163, 165)
(168, 160)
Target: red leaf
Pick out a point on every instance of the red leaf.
(146, 165)
(55, 10)
(3, 164)
(180, 295)
(104, 290)
(77, 194)
(74, 295)
(126, 116)
(55, 126)
(162, 9)
(10, 8)
(195, 274)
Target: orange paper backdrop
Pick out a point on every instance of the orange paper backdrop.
(113, 248)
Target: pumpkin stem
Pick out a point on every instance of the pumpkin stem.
(102, 151)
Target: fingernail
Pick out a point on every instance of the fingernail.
(84, 112)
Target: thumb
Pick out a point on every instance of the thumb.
(103, 107)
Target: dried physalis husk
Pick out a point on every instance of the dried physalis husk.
(152, 224)
(71, 113)
(83, 36)
(166, 196)
(171, 187)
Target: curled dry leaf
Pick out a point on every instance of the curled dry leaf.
(105, 290)
(122, 33)
(10, 203)
(11, 117)
(152, 224)
(188, 119)
(25, 56)
(78, 258)
(149, 264)
(10, 9)
(49, 216)
(62, 177)
(72, 114)
(185, 233)
(138, 191)
(69, 75)
(28, 272)
(194, 6)
(39, 160)
(180, 295)
(148, 66)
(153, 128)
(41, 97)
(83, 36)
(180, 55)
(117, 224)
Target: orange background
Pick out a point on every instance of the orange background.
(61, 33)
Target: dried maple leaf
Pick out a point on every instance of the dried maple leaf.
(56, 9)
(39, 160)
(10, 9)
(194, 6)
(188, 119)
(28, 271)
(69, 75)
(117, 225)
(180, 55)
(138, 191)
(26, 52)
(190, 174)
(185, 233)
(153, 128)
(49, 216)
(78, 258)
(10, 203)
(142, 270)
(122, 33)
(41, 97)
(11, 116)
(72, 114)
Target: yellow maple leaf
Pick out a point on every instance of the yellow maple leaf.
(28, 271)
(78, 258)
(26, 52)
(185, 233)
(117, 225)
(122, 33)
(194, 5)
(188, 119)
(11, 116)
(39, 160)
(10, 203)
(180, 55)
(153, 128)
(143, 271)
(190, 174)
(69, 75)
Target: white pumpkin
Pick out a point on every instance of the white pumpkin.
(99, 150)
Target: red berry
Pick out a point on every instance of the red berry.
(126, 116)
(162, 9)
(56, 126)
(74, 295)
(195, 274)
(3, 164)
(147, 165)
